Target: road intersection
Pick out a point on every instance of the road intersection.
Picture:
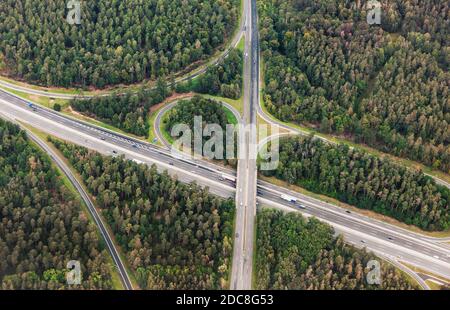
(386, 240)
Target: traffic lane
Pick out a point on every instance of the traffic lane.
(100, 132)
(84, 137)
(32, 117)
(390, 231)
(378, 246)
(161, 157)
(336, 219)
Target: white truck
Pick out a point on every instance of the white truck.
(226, 177)
(289, 198)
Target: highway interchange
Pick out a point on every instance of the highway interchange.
(388, 241)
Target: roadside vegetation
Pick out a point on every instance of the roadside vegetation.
(381, 85)
(297, 253)
(175, 235)
(223, 80)
(365, 181)
(211, 112)
(42, 224)
(115, 42)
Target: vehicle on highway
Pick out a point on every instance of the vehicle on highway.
(31, 105)
(390, 238)
(134, 145)
(289, 198)
(363, 241)
(221, 178)
(171, 163)
(302, 207)
(225, 177)
(114, 152)
(102, 138)
(348, 211)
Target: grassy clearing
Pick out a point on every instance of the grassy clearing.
(433, 285)
(368, 213)
(241, 44)
(42, 100)
(420, 270)
(237, 104)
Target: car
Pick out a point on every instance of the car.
(302, 206)
(390, 238)
(363, 241)
(435, 256)
(102, 138)
(135, 146)
(348, 212)
(171, 163)
(221, 178)
(114, 152)
(241, 203)
(237, 235)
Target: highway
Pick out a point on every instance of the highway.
(242, 267)
(413, 248)
(125, 279)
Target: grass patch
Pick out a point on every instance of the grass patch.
(237, 104)
(422, 271)
(433, 285)
(42, 100)
(241, 44)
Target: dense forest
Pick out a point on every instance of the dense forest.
(223, 80)
(175, 235)
(365, 181)
(296, 253)
(115, 42)
(42, 226)
(210, 111)
(128, 111)
(384, 85)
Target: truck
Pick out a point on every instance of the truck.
(289, 198)
(225, 177)
(31, 106)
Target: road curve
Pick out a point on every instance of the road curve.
(157, 124)
(410, 272)
(126, 282)
(414, 248)
(193, 74)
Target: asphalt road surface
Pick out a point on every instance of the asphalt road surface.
(415, 249)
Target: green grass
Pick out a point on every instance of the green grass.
(241, 44)
(45, 101)
(237, 104)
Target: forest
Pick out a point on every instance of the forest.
(174, 235)
(211, 112)
(115, 42)
(385, 85)
(365, 181)
(42, 225)
(224, 80)
(128, 111)
(298, 254)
